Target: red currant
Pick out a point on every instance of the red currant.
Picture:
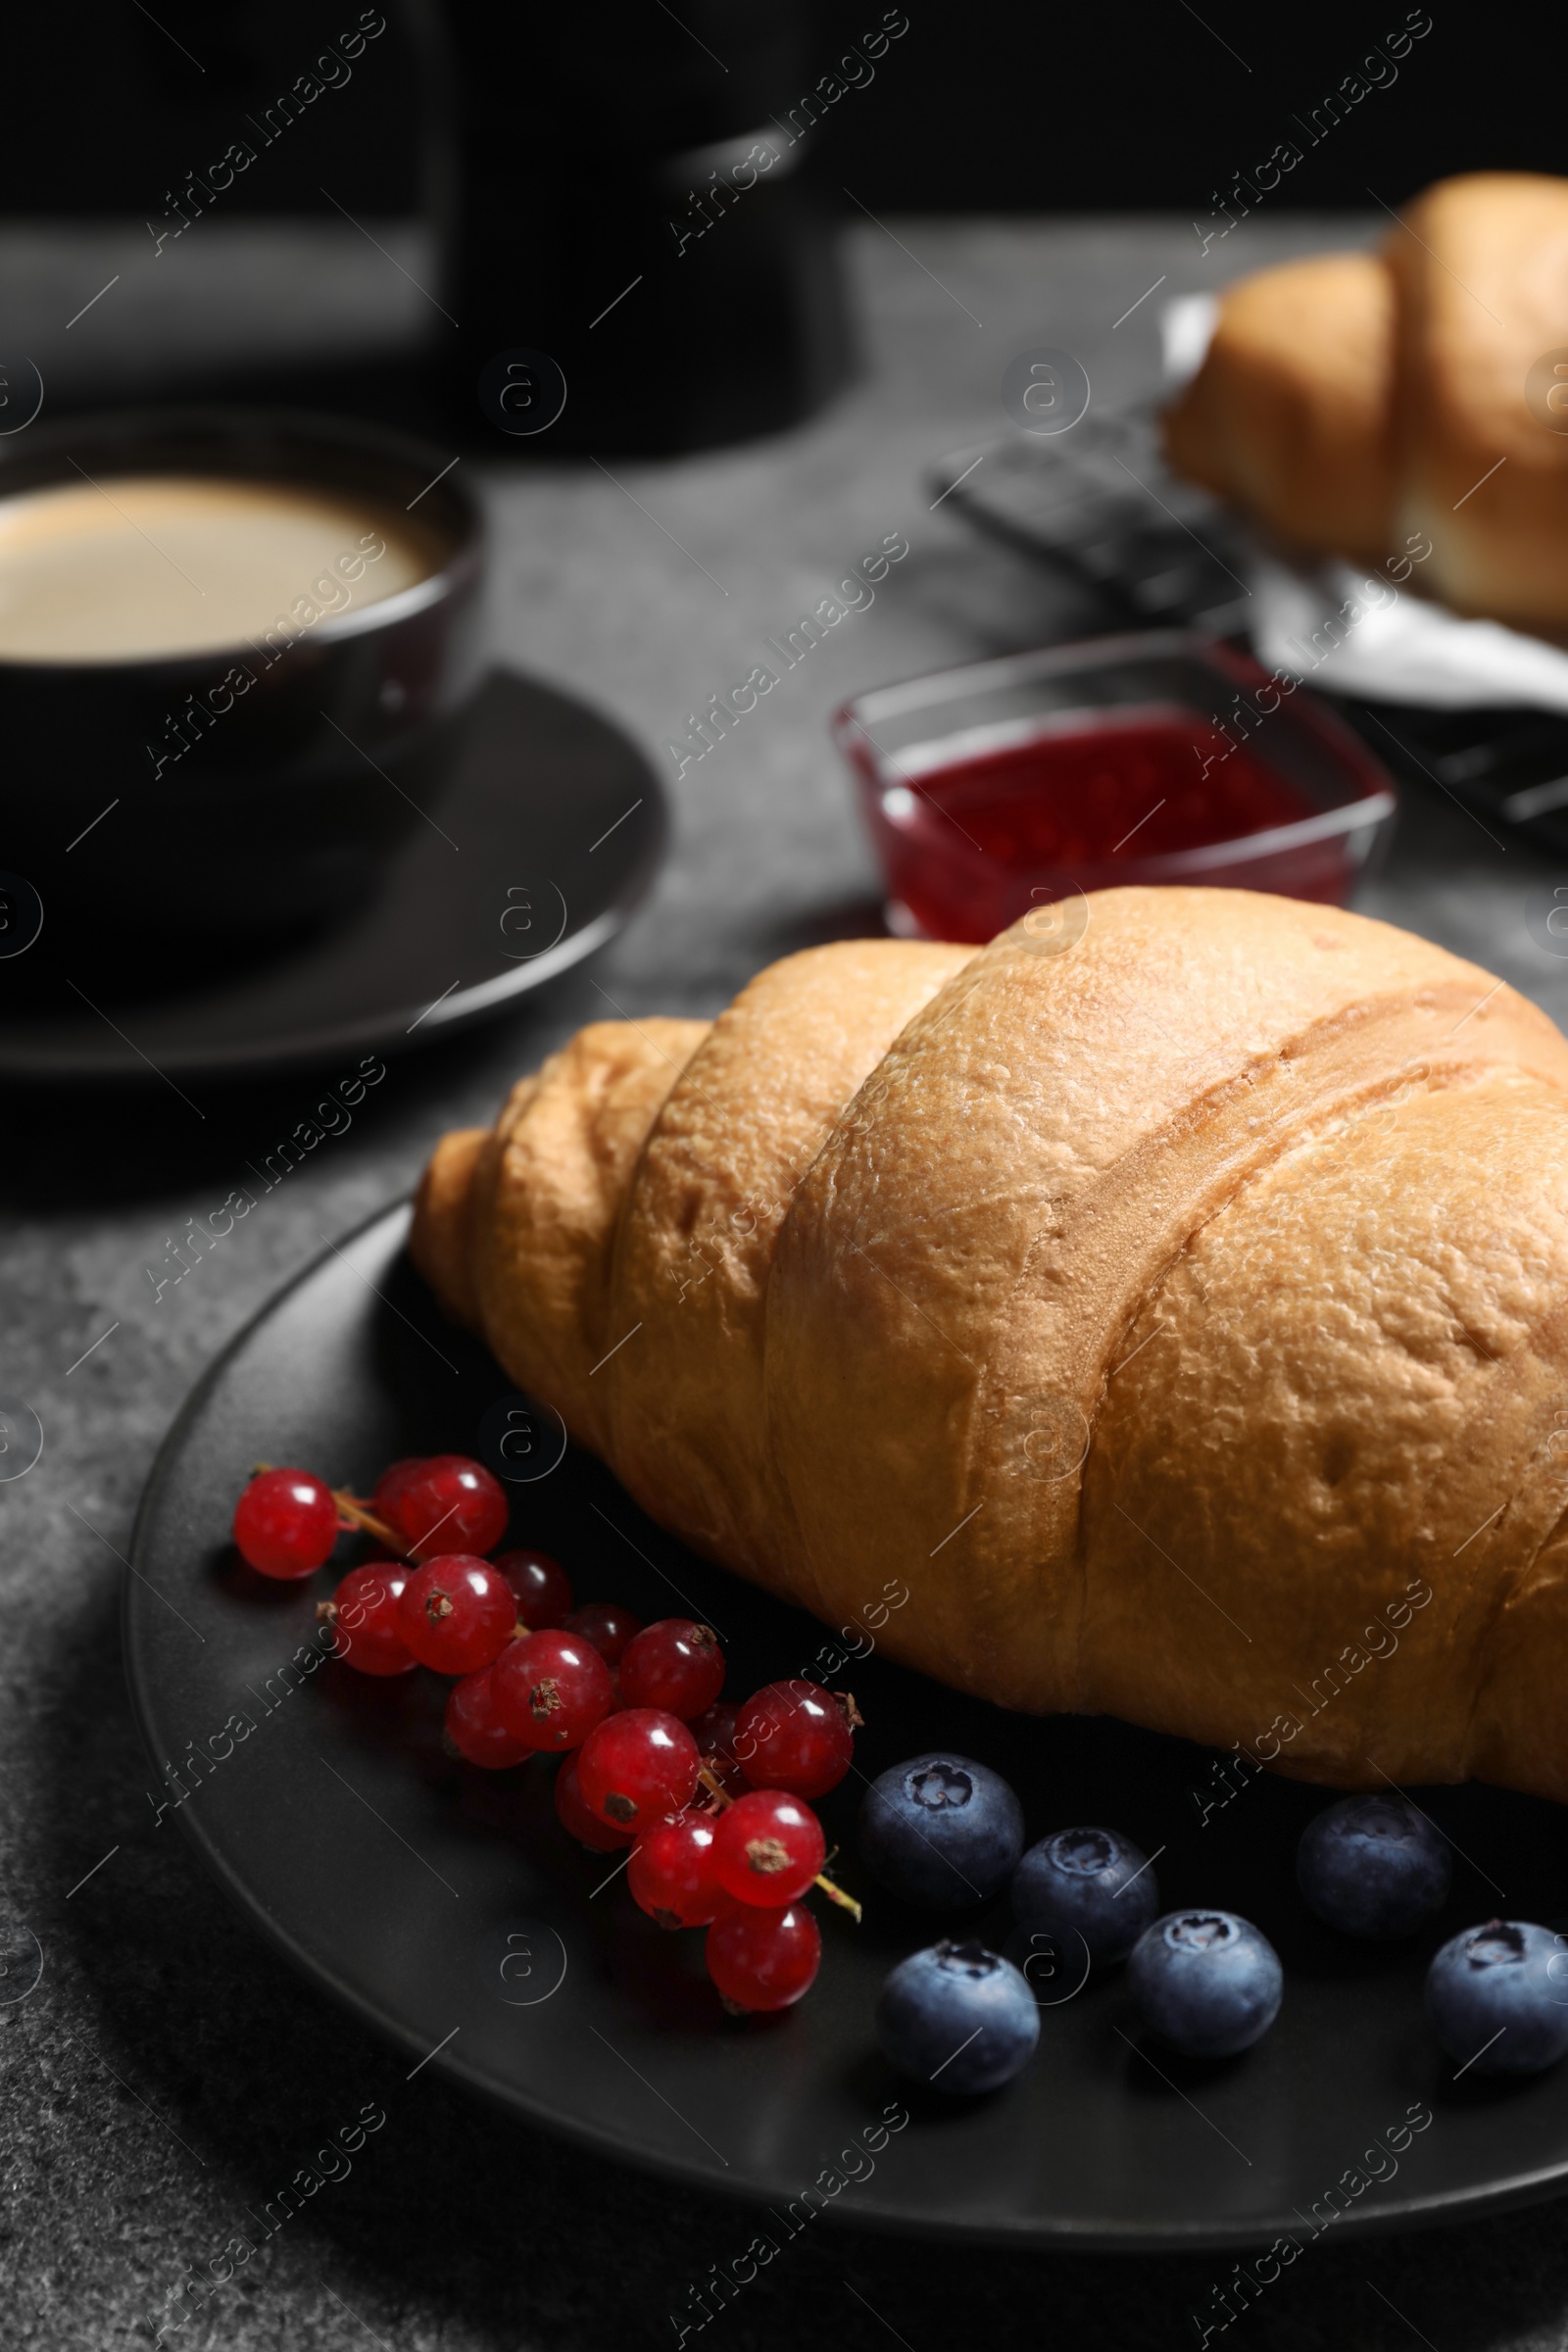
(670, 1873)
(446, 1504)
(541, 1584)
(365, 1612)
(572, 1811)
(285, 1523)
(552, 1689)
(390, 1485)
(714, 1734)
(608, 1626)
(457, 1613)
(637, 1765)
(673, 1664)
(767, 1848)
(475, 1727)
(763, 1959)
(793, 1736)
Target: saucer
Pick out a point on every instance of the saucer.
(542, 827)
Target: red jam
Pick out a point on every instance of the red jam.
(968, 847)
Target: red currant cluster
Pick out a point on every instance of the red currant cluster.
(711, 1800)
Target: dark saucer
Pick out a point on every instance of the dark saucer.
(542, 826)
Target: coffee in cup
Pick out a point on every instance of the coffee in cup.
(145, 567)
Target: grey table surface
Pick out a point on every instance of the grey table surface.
(168, 2068)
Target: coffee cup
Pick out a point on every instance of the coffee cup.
(220, 631)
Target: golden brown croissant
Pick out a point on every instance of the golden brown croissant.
(1290, 415)
(1359, 403)
(1173, 1294)
(1480, 296)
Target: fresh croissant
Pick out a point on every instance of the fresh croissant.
(1173, 1294)
(1288, 417)
(1361, 403)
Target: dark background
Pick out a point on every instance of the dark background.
(987, 107)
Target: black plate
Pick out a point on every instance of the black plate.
(544, 825)
(393, 1878)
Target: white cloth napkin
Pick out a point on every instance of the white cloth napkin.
(1403, 650)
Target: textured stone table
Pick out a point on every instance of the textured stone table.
(168, 2071)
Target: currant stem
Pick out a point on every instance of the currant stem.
(835, 1894)
(357, 1514)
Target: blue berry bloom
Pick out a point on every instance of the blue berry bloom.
(1374, 1866)
(1499, 1997)
(1090, 1882)
(957, 2018)
(1207, 1981)
(941, 1831)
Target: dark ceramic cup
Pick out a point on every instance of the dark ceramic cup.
(235, 793)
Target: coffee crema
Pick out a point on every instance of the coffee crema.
(147, 567)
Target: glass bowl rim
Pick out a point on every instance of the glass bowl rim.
(1374, 802)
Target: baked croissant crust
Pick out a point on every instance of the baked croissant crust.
(1290, 415)
(1172, 1293)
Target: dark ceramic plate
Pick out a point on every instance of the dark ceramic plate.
(542, 827)
(443, 1907)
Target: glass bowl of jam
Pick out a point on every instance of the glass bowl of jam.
(1163, 757)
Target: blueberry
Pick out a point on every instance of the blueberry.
(1209, 1983)
(1092, 1883)
(941, 1831)
(1373, 1865)
(957, 2018)
(1499, 1997)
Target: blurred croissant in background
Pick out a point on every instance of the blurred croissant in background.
(1354, 401)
